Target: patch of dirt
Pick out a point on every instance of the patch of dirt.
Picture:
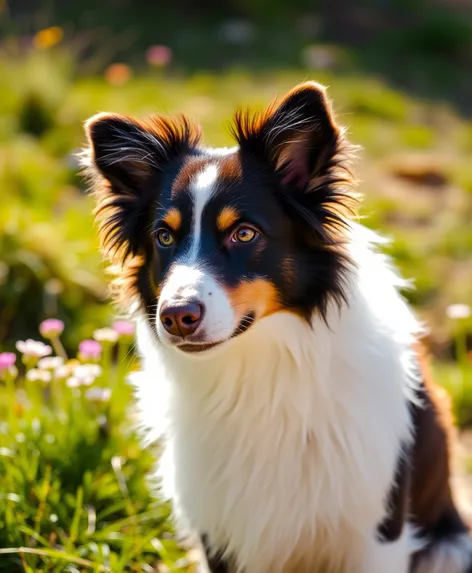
(420, 170)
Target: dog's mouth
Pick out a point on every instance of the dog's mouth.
(244, 324)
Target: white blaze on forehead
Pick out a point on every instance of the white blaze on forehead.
(201, 189)
(189, 280)
(222, 151)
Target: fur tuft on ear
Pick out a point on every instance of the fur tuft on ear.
(124, 163)
(301, 142)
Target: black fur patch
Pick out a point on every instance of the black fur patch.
(398, 500)
(216, 563)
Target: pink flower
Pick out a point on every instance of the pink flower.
(7, 360)
(159, 56)
(90, 350)
(51, 328)
(124, 328)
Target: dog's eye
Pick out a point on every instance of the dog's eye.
(165, 238)
(244, 235)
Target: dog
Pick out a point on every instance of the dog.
(279, 359)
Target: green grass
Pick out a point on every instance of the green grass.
(75, 487)
(74, 490)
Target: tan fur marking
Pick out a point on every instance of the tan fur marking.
(226, 218)
(173, 219)
(259, 295)
(431, 494)
(190, 169)
(439, 396)
(230, 169)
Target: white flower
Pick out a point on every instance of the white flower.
(84, 375)
(98, 394)
(38, 375)
(458, 311)
(33, 348)
(106, 335)
(51, 362)
(73, 382)
(62, 371)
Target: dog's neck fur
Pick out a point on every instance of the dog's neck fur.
(282, 425)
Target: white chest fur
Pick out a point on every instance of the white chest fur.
(282, 446)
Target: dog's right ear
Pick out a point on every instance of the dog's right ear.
(124, 160)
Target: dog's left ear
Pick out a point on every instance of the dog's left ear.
(298, 136)
(301, 143)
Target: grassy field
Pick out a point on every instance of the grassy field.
(73, 488)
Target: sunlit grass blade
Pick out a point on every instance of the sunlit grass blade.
(55, 554)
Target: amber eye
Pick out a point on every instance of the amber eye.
(244, 235)
(165, 238)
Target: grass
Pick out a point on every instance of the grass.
(75, 494)
(73, 473)
(74, 476)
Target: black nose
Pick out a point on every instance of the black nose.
(183, 319)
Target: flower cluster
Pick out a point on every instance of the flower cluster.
(93, 358)
(83, 375)
(157, 56)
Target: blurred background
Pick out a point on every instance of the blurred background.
(400, 74)
(399, 71)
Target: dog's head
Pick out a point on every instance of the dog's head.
(212, 241)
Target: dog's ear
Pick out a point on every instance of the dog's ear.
(301, 142)
(124, 161)
(298, 135)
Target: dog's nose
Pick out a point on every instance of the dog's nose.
(183, 319)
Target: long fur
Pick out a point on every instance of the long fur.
(334, 397)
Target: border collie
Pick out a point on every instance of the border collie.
(280, 362)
